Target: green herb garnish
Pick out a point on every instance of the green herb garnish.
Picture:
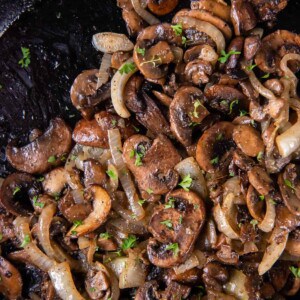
(260, 156)
(141, 51)
(261, 197)
(25, 61)
(16, 190)
(174, 247)
(36, 203)
(167, 223)
(52, 159)
(253, 222)
(295, 271)
(105, 235)
(251, 67)
(170, 203)
(266, 76)
(77, 223)
(177, 29)
(149, 191)
(127, 68)
(289, 184)
(111, 174)
(225, 56)
(141, 202)
(232, 103)
(129, 243)
(186, 182)
(215, 160)
(26, 241)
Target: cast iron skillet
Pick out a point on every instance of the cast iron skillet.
(58, 34)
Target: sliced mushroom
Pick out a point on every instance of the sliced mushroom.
(33, 158)
(119, 58)
(260, 180)
(173, 241)
(221, 97)
(242, 16)
(152, 165)
(94, 173)
(251, 46)
(7, 228)
(275, 86)
(186, 109)
(236, 46)
(213, 146)
(156, 40)
(293, 244)
(55, 181)
(85, 95)
(162, 7)
(101, 209)
(134, 22)
(15, 192)
(11, 281)
(289, 185)
(198, 71)
(274, 47)
(248, 140)
(254, 204)
(204, 52)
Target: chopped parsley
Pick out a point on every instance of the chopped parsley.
(197, 103)
(232, 103)
(251, 67)
(215, 160)
(184, 40)
(167, 223)
(26, 241)
(37, 203)
(141, 202)
(40, 179)
(25, 60)
(295, 271)
(289, 184)
(260, 156)
(113, 122)
(139, 154)
(111, 174)
(253, 222)
(225, 56)
(154, 61)
(56, 196)
(174, 247)
(219, 137)
(180, 220)
(231, 174)
(136, 129)
(266, 76)
(243, 113)
(129, 242)
(16, 190)
(52, 159)
(186, 182)
(105, 235)
(127, 68)
(149, 191)
(74, 232)
(141, 51)
(261, 197)
(77, 223)
(177, 29)
(170, 203)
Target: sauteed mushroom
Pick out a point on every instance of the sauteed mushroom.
(44, 152)
(162, 7)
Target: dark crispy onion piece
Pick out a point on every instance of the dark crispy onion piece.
(186, 220)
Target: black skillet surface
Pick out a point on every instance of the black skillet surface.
(58, 34)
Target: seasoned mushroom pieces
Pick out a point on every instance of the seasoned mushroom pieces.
(34, 158)
(162, 7)
(14, 191)
(11, 280)
(186, 110)
(274, 47)
(152, 164)
(156, 40)
(289, 185)
(175, 227)
(85, 95)
(248, 140)
(213, 145)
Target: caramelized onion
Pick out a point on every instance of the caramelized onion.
(103, 74)
(268, 222)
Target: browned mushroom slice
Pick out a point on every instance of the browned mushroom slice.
(119, 58)
(152, 165)
(175, 228)
(285, 219)
(248, 140)
(217, 8)
(14, 191)
(204, 52)
(156, 40)
(11, 280)
(73, 211)
(242, 161)
(251, 46)
(293, 244)
(162, 7)
(134, 22)
(6, 225)
(255, 204)
(94, 173)
(44, 152)
(213, 145)
(260, 180)
(267, 10)
(85, 95)
(289, 185)
(242, 16)
(236, 46)
(55, 181)
(274, 47)
(225, 98)
(198, 71)
(208, 17)
(186, 110)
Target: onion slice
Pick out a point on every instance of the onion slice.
(203, 26)
(118, 84)
(278, 241)
(189, 166)
(144, 14)
(268, 222)
(63, 283)
(103, 75)
(110, 42)
(115, 144)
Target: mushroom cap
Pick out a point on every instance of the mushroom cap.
(156, 171)
(183, 112)
(162, 7)
(274, 47)
(187, 218)
(33, 158)
(214, 142)
(8, 195)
